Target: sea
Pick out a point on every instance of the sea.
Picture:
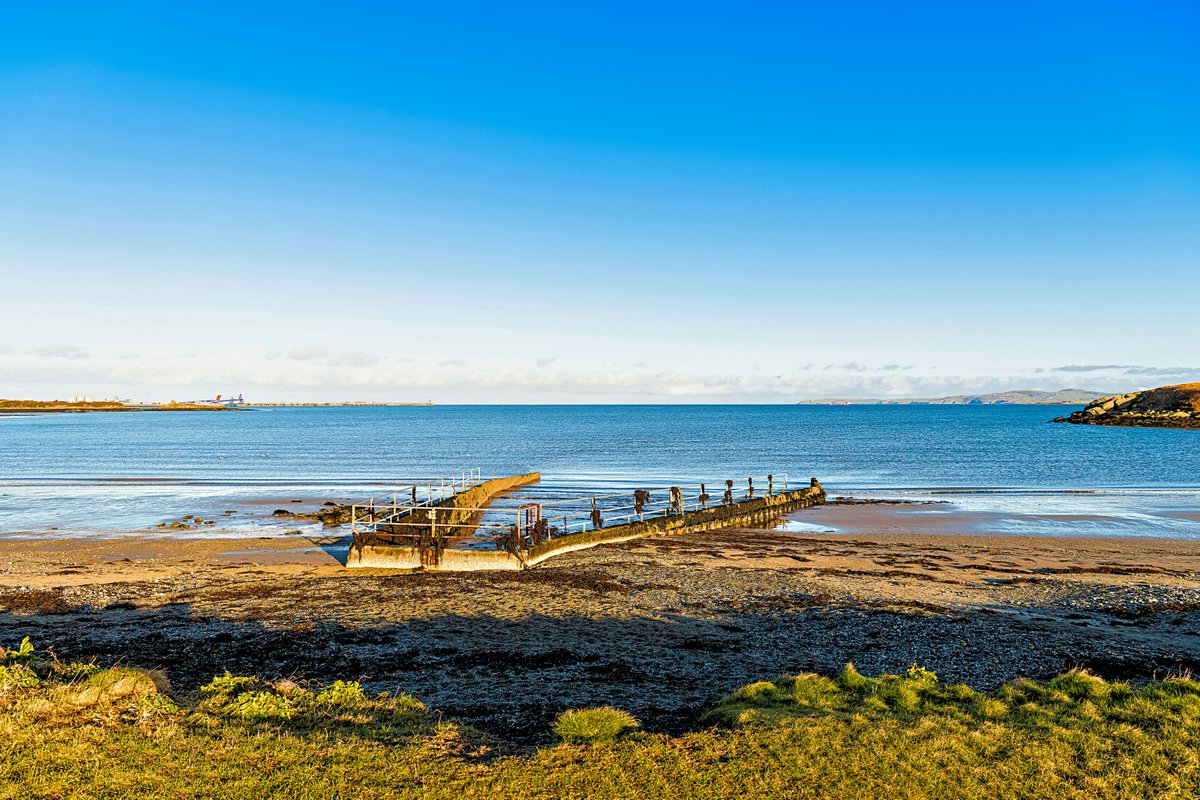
(106, 474)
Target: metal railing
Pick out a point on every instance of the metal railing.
(376, 511)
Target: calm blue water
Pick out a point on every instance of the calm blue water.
(97, 472)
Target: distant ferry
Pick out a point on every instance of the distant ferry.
(221, 400)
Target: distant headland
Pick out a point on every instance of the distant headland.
(1165, 407)
(1025, 397)
(355, 403)
(85, 406)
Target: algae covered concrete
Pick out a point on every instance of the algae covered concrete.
(746, 513)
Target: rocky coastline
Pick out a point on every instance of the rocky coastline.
(1165, 407)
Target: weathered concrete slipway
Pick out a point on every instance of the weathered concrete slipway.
(462, 507)
(759, 511)
(456, 510)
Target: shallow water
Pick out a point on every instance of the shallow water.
(94, 473)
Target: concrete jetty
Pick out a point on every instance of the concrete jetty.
(448, 532)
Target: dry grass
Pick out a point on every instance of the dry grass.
(1191, 392)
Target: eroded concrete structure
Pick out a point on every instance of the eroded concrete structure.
(416, 543)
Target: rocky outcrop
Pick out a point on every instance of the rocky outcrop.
(1165, 407)
(330, 514)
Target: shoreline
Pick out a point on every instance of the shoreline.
(348, 404)
(260, 516)
(162, 551)
(660, 626)
(116, 410)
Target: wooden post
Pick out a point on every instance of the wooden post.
(750, 490)
(770, 485)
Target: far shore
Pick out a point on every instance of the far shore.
(67, 407)
(64, 407)
(353, 403)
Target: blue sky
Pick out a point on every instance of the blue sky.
(610, 202)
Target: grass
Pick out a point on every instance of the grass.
(594, 725)
(82, 731)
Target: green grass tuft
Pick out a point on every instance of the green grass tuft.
(1080, 685)
(16, 676)
(594, 725)
(259, 707)
(849, 678)
(25, 655)
(347, 694)
(227, 686)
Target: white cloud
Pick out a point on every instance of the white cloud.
(1131, 370)
(352, 375)
(333, 358)
(59, 351)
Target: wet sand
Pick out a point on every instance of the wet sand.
(659, 626)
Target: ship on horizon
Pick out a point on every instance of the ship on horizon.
(222, 400)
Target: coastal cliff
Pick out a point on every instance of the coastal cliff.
(1165, 407)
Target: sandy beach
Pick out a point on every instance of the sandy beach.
(661, 626)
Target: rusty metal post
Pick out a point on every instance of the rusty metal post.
(597, 522)
(677, 500)
(432, 535)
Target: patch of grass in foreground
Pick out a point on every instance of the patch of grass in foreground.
(86, 732)
(594, 725)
